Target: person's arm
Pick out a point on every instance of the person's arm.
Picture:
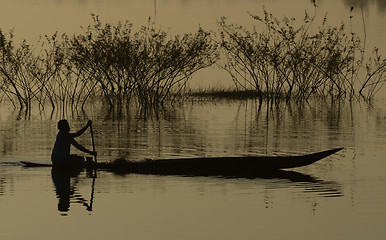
(81, 131)
(81, 148)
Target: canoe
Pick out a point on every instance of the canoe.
(230, 166)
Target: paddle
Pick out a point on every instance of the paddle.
(89, 208)
(93, 143)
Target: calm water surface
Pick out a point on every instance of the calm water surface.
(340, 197)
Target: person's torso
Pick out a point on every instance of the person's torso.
(62, 146)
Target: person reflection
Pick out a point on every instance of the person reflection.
(63, 188)
(66, 189)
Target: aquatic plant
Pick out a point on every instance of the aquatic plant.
(146, 65)
(290, 60)
(9, 85)
(149, 66)
(39, 72)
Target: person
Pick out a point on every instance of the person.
(64, 139)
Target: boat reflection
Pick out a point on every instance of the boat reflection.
(307, 183)
(66, 190)
(280, 179)
(65, 183)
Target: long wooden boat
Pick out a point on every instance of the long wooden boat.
(247, 165)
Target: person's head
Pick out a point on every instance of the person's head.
(63, 125)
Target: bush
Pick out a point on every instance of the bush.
(147, 65)
(295, 62)
(107, 60)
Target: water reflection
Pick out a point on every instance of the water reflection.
(65, 183)
(220, 128)
(2, 185)
(206, 128)
(276, 180)
(66, 190)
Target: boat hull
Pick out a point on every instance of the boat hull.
(218, 165)
(229, 166)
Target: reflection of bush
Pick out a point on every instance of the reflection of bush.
(293, 61)
(106, 60)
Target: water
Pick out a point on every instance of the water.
(340, 197)
(343, 195)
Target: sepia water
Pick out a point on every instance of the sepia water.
(340, 197)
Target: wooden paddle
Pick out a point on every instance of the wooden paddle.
(93, 143)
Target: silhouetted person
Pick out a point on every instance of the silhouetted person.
(61, 151)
